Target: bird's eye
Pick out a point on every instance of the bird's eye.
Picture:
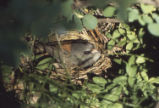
(87, 52)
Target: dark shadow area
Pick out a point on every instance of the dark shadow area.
(4, 3)
(151, 51)
(113, 72)
(7, 99)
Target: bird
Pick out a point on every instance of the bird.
(77, 52)
(81, 54)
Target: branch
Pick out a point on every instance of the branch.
(86, 3)
(108, 20)
(150, 2)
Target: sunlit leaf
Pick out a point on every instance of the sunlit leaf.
(133, 15)
(154, 80)
(121, 31)
(118, 61)
(111, 44)
(116, 34)
(129, 46)
(141, 34)
(131, 35)
(131, 60)
(122, 42)
(140, 60)
(144, 75)
(131, 68)
(131, 81)
(147, 8)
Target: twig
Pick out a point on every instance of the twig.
(151, 2)
(108, 20)
(86, 3)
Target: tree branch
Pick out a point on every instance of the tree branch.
(151, 2)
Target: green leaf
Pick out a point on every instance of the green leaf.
(131, 60)
(122, 42)
(120, 80)
(121, 31)
(105, 103)
(74, 24)
(116, 34)
(109, 11)
(131, 70)
(131, 81)
(66, 9)
(111, 97)
(154, 80)
(129, 46)
(126, 91)
(44, 63)
(99, 81)
(141, 20)
(131, 35)
(147, 8)
(118, 61)
(78, 23)
(111, 44)
(141, 32)
(133, 15)
(108, 35)
(114, 95)
(156, 17)
(140, 60)
(147, 19)
(144, 75)
(89, 21)
(45, 60)
(78, 94)
(153, 29)
(95, 88)
(52, 88)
